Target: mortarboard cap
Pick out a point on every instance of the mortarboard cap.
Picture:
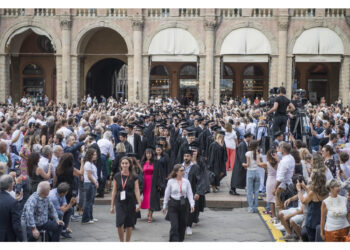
(123, 133)
(248, 134)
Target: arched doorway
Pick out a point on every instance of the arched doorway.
(317, 83)
(103, 63)
(227, 83)
(102, 78)
(32, 63)
(253, 82)
(188, 84)
(159, 81)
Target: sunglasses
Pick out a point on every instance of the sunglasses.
(181, 170)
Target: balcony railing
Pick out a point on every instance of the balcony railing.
(158, 12)
(231, 12)
(189, 12)
(335, 12)
(117, 12)
(44, 12)
(86, 12)
(262, 13)
(14, 12)
(304, 12)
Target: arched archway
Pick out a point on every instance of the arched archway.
(102, 78)
(31, 52)
(253, 81)
(103, 53)
(188, 76)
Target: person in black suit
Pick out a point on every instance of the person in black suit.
(10, 218)
(136, 143)
(238, 178)
(123, 139)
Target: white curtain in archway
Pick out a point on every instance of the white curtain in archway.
(173, 42)
(245, 41)
(319, 41)
(34, 29)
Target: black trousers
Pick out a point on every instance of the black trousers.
(279, 124)
(193, 217)
(178, 215)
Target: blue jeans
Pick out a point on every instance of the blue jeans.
(66, 217)
(253, 183)
(90, 192)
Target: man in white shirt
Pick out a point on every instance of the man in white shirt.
(284, 173)
(56, 156)
(106, 148)
(19, 143)
(66, 132)
(46, 154)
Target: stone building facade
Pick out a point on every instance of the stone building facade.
(191, 54)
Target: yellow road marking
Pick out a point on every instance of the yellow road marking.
(277, 234)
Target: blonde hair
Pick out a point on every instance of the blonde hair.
(220, 138)
(120, 148)
(304, 152)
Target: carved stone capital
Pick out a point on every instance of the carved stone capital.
(66, 24)
(209, 25)
(283, 24)
(137, 25)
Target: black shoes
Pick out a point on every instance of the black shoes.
(233, 192)
(99, 196)
(66, 235)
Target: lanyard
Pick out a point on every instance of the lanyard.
(124, 183)
(180, 184)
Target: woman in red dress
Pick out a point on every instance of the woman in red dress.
(152, 183)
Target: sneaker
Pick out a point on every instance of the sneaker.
(75, 219)
(281, 228)
(288, 237)
(189, 231)
(95, 220)
(88, 222)
(66, 235)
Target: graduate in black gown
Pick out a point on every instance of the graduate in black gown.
(123, 135)
(191, 136)
(217, 159)
(162, 159)
(137, 144)
(238, 178)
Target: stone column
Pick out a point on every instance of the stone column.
(131, 90)
(75, 97)
(289, 75)
(273, 73)
(216, 86)
(209, 27)
(282, 50)
(4, 78)
(66, 25)
(202, 82)
(344, 80)
(138, 85)
(145, 79)
(59, 85)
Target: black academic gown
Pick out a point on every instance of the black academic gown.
(238, 179)
(180, 154)
(217, 161)
(156, 186)
(137, 146)
(128, 147)
(163, 168)
(116, 164)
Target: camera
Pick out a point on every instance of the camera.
(269, 103)
(302, 101)
(74, 193)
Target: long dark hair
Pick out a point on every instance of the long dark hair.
(253, 146)
(296, 155)
(32, 163)
(136, 166)
(44, 131)
(174, 171)
(89, 154)
(65, 166)
(131, 168)
(144, 158)
(270, 158)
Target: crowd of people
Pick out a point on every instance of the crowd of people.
(55, 159)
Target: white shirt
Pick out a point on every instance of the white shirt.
(44, 163)
(91, 167)
(253, 165)
(346, 169)
(173, 190)
(285, 170)
(106, 148)
(66, 132)
(19, 142)
(230, 141)
(336, 213)
(31, 120)
(251, 128)
(131, 141)
(54, 162)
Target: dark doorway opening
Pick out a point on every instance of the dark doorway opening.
(101, 78)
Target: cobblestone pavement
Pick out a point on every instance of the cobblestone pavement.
(231, 225)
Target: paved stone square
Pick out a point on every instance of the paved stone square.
(230, 225)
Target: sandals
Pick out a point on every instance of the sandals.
(149, 219)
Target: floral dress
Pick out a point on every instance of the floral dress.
(23, 167)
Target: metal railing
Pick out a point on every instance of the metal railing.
(158, 12)
(117, 12)
(44, 12)
(14, 12)
(189, 12)
(304, 12)
(86, 12)
(231, 12)
(335, 12)
(262, 13)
